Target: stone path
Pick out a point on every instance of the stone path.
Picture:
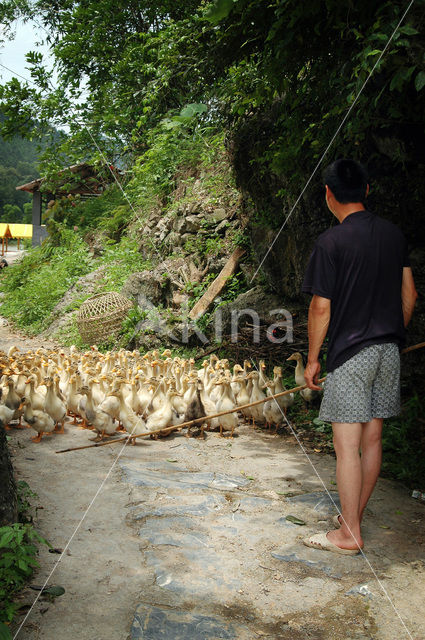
(226, 563)
(189, 540)
(13, 255)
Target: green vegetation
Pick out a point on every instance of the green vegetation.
(18, 552)
(17, 563)
(36, 284)
(277, 78)
(403, 444)
(231, 102)
(121, 260)
(17, 166)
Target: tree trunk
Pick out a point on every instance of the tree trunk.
(8, 499)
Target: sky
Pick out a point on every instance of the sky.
(12, 53)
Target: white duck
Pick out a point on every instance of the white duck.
(13, 400)
(6, 415)
(37, 399)
(275, 410)
(40, 421)
(256, 412)
(73, 398)
(54, 406)
(309, 395)
(132, 423)
(262, 380)
(162, 417)
(111, 403)
(229, 421)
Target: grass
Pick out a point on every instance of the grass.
(35, 285)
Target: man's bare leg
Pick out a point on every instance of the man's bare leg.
(371, 448)
(347, 441)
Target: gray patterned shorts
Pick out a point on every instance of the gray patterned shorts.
(366, 386)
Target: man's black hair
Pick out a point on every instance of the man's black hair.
(347, 179)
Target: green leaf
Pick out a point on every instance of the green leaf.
(22, 565)
(295, 520)
(420, 81)
(54, 591)
(4, 632)
(219, 10)
(409, 31)
(191, 109)
(397, 80)
(5, 539)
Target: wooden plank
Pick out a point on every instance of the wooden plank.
(217, 285)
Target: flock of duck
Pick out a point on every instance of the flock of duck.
(134, 393)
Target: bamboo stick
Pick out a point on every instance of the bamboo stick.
(191, 422)
(420, 345)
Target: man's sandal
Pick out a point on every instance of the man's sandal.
(321, 541)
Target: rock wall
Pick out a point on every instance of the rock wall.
(397, 194)
(8, 499)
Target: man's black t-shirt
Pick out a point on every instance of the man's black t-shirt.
(358, 265)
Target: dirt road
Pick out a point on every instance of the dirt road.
(189, 539)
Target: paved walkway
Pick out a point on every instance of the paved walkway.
(13, 255)
(190, 540)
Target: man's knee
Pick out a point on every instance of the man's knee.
(346, 438)
(372, 433)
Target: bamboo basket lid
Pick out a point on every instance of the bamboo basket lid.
(100, 317)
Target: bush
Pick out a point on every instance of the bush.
(402, 446)
(18, 552)
(121, 260)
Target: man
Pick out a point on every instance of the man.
(363, 298)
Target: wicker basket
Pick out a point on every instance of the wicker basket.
(100, 317)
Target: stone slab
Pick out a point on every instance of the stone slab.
(203, 507)
(167, 476)
(294, 557)
(194, 571)
(177, 532)
(319, 501)
(154, 623)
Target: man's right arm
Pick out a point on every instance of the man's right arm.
(408, 294)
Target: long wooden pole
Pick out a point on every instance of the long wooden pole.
(414, 347)
(191, 422)
(420, 345)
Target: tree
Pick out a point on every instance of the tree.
(27, 217)
(11, 213)
(279, 76)
(8, 496)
